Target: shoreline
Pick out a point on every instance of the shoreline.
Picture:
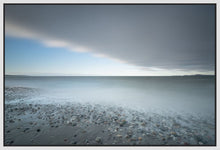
(88, 124)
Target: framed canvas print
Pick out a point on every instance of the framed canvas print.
(109, 74)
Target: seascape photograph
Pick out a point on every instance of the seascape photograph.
(109, 75)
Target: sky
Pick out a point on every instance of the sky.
(127, 40)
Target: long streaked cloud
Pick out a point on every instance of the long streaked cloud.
(150, 36)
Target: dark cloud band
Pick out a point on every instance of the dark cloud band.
(163, 36)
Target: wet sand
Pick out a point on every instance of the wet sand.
(94, 124)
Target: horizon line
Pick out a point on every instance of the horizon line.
(109, 75)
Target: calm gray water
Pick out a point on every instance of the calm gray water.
(189, 94)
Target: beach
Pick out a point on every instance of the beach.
(86, 124)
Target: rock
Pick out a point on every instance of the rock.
(86, 141)
(26, 129)
(173, 133)
(122, 123)
(200, 143)
(127, 136)
(139, 138)
(163, 128)
(38, 130)
(140, 131)
(153, 133)
(130, 133)
(119, 136)
(131, 127)
(98, 139)
(176, 125)
(8, 131)
(75, 142)
(11, 142)
(11, 121)
(74, 124)
(65, 139)
(74, 118)
(143, 124)
(83, 131)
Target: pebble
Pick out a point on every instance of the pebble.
(74, 142)
(200, 143)
(83, 131)
(173, 133)
(98, 139)
(119, 136)
(153, 133)
(65, 139)
(11, 121)
(38, 130)
(86, 141)
(74, 124)
(130, 132)
(127, 136)
(139, 138)
(122, 123)
(143, 124)
(26, 129)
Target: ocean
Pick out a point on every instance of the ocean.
(179, 94)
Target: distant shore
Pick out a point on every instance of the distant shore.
(194, 75)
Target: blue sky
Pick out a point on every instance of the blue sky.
(128, 40)
(30, 57)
